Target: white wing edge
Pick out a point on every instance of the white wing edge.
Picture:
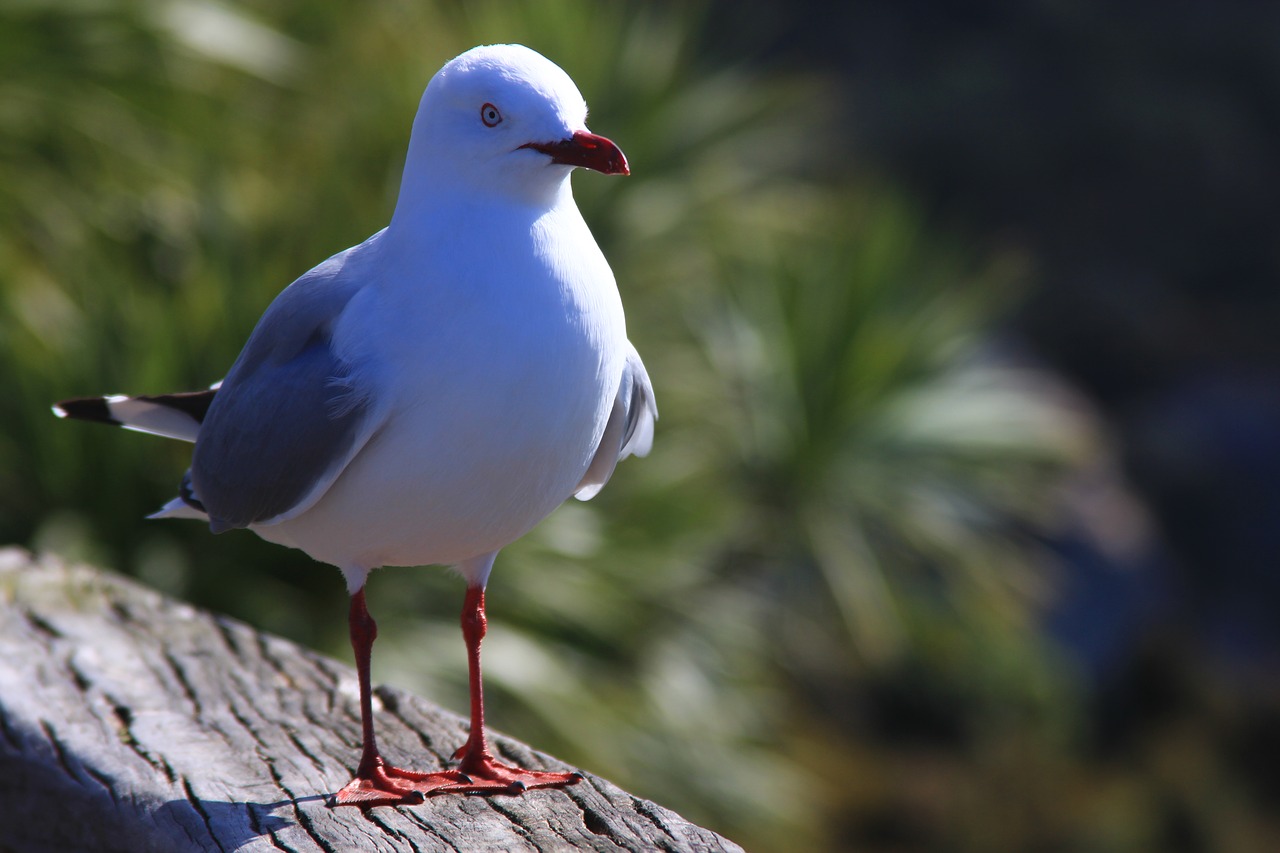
(178, 508)
(629, 431)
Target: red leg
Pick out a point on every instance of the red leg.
(485, 774)
(377, 783)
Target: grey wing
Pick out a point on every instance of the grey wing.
(630, 427)
(286, 420)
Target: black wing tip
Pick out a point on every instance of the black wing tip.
(193, 403)
(86, 409)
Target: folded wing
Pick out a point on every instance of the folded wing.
(629, 430)
(286, 420)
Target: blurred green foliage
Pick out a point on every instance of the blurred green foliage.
(848, 477)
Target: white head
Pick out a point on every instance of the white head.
(502, 119)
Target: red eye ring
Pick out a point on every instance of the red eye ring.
(490, 116)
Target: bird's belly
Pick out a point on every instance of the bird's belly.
(470, 467)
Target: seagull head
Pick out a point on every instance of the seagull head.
(504, 119)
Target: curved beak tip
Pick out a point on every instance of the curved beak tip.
(587, 150)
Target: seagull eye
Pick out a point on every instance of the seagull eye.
(490, 116)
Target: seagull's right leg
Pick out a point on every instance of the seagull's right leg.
(377, 783)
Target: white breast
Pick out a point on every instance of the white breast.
(504, 374)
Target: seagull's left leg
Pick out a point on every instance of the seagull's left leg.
(485, 774)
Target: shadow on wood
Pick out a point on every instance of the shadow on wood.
(133, 722)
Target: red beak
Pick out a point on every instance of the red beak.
(586, 150)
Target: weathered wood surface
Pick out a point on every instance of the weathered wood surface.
(131, 722)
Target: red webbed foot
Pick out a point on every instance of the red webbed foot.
(484, 774)
(393, 786)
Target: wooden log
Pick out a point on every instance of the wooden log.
(132, 722)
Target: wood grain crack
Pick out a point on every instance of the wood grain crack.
(133, 722)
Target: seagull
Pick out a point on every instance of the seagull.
(428, 396)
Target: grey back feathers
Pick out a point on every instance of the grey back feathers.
(304, 424)
(287, 385)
